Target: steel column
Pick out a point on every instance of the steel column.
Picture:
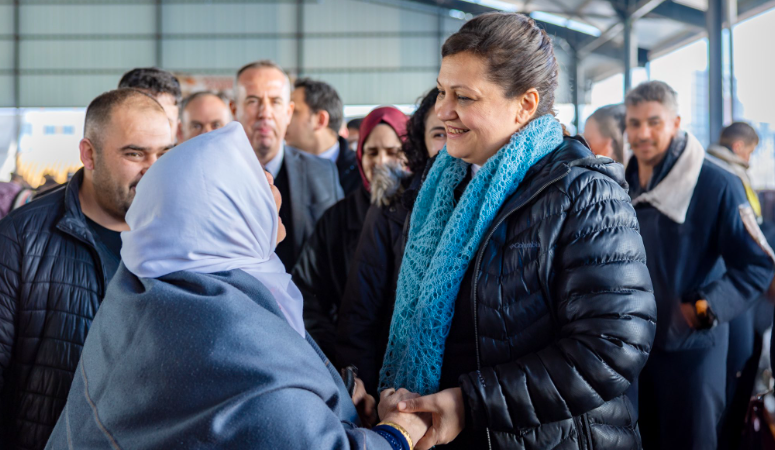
(17, 95)
(440, 29)
(630, 52)
(158, 56)
(731, 10)
(715, 17)
(299, 38)
(575, 86)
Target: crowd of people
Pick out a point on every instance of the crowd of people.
(252, 272)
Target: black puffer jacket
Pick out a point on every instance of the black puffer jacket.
(560, 310)
(51, 284)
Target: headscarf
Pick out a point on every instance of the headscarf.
(388, 115)
(207, 207)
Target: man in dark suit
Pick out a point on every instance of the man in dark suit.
(317, 117)
(309, 185)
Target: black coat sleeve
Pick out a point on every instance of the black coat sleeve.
(316, 285)
(747, 257)
(10, 281)
(601, 297)
(368, 298)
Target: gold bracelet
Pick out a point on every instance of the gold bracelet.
(400, 430)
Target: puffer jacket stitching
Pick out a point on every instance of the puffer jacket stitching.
(594, 352)
(576, 237)
(600, 202)
(69, 313)
(605, 263)
(65, 239)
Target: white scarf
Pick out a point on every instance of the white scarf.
(206, 207)
(673, 194)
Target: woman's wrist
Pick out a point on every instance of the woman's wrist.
(412, 424)
(395, 434)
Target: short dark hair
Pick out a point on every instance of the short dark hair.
(653, 91)
(611, 122)
(414, 146)
(262, 64)
(355, 123)
(519, 54)
(738, 131)
(321, 96)
(154, 80)
(100, 110)
(199, 94)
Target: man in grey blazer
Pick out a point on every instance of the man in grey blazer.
(309, 185)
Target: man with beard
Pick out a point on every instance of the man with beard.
(57, 255)
(309, 185)
(708, 261)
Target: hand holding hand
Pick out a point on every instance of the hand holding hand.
(447, 413)
(414, 424)
(364, 404)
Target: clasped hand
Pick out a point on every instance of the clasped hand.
(430, 420)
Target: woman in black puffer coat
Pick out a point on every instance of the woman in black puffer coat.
(554, 316)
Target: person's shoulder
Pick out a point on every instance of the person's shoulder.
(713, 176)
(39, 211)
(586, 169)
(314, 165)
(307, 159)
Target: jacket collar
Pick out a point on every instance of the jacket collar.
(73, 222)
(673, 194)
(347, 166)
(346, 158)
(728, 156)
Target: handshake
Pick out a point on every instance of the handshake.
(430, 420)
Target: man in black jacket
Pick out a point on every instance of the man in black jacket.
(317, 117)
(58, 253)
(309, 185)
(708, 262)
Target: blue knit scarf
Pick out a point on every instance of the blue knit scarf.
(443, 239)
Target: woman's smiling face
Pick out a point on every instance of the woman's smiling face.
(478, 117)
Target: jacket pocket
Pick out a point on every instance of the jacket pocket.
(680, 336)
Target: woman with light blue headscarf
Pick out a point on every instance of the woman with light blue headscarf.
(199, 342)
(524, 308)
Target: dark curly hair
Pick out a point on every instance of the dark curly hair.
(414, 146)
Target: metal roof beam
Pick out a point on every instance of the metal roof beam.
(578, 40)
(680, 13)
(575, 38)
(639, 10)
